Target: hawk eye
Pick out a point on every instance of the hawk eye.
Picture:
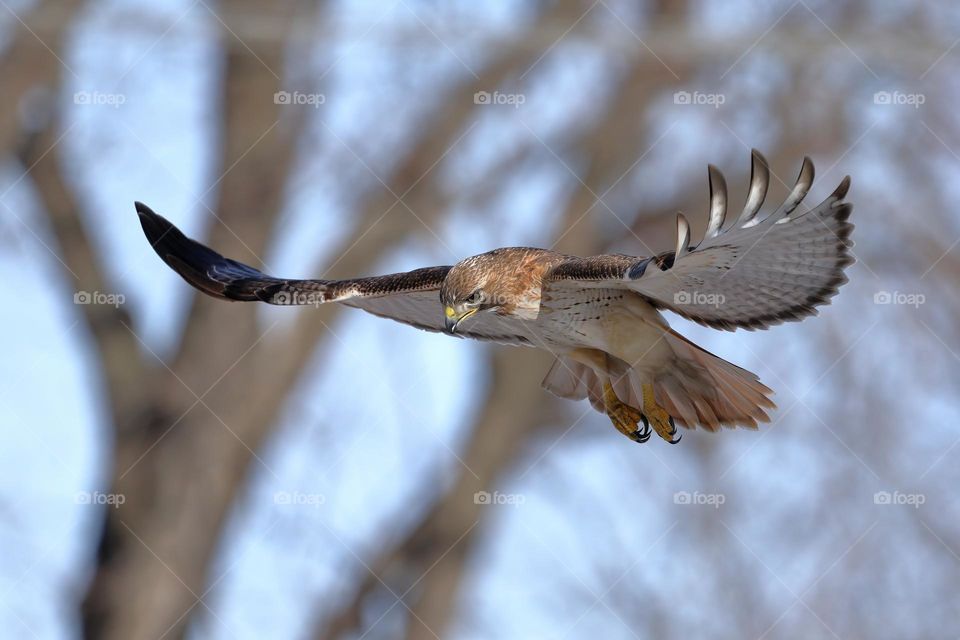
(475, 298)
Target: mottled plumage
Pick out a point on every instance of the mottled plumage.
(600, 315)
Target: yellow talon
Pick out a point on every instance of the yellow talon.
(659, 419)
(624, 417)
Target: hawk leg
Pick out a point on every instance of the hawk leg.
(658, 417)
(624, 417)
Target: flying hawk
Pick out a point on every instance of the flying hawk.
(600, 316)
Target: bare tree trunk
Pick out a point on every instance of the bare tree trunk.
(182, 444)
(181, 460)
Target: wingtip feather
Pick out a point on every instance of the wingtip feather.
(841, 191)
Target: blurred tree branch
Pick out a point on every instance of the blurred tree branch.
(155, 550)
(44, 53)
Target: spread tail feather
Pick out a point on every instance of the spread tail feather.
(695, 387)
(699, 388)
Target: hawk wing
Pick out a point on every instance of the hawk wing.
(410, 297)
(755, 273)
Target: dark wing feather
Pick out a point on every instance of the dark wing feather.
(411, 297)
(753, 274)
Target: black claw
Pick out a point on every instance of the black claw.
(673, 432)
(642, 435)
(645, 432)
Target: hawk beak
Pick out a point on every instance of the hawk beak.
(450, 324)
(452, 319)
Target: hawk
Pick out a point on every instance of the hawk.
(600, 315)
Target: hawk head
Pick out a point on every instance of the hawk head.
(494, 281)
(471, 285)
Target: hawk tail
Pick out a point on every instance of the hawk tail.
(695, 387)
(699, 388)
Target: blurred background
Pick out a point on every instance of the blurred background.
(174, 466)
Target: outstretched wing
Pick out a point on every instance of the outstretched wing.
(755, 273)
(411, 297)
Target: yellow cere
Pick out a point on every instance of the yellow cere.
(450, 312)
